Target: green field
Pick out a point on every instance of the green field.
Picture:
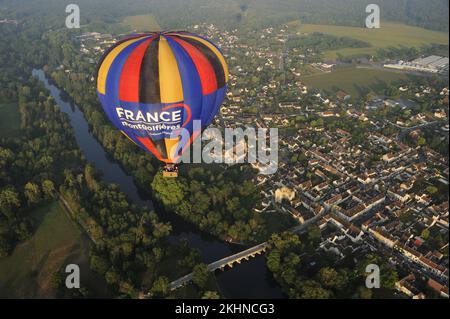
(388, 35)
(10, 120)
(145, 22)
(355, 81)
(57, 241)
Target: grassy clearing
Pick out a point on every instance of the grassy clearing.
(145, 22)
(10, 120)
(308, 70)
(57, 241)
(355, 81)
(389, 35)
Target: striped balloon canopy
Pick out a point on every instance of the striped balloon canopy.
(153, 85)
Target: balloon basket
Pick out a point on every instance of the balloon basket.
(170, 170)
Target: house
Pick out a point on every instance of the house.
(328, 114)
(438, 288)
(440, 114)
(382, 236)
(407, 286)
(343, 96)
(389, 157)
(284, 193)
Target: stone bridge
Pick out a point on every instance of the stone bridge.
(224, 262)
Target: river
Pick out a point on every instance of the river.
(250, 279)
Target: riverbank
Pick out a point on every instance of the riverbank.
(251, 278)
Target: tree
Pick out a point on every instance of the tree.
(432, 190)
(312, 290)
(127, 288)
(330, 278)
(161, 230)
(160, 287)
(200, 275)
(90, 178)
(99, 264)
(6, 155)
(168, 190)
(211, 295)
(273, 261)
(363, 293)
(421, 141)
(112, 277)
(314, 235)
(57, 279)
(26, 91)
(48, 187)
(5, 246)
(32, 193)
(9, 199)
(425, 234)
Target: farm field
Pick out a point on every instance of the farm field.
(10, 120)
(145, 22)
(355, 81)
(389, 35)
(57, 241)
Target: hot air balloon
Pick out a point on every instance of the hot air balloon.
(154, 84)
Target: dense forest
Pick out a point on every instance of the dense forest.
(41, 163)
(220, 202)
(430, 14)
(33, 159)
(322, 42)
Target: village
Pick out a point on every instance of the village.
(362, 165)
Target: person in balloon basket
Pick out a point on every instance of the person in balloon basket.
(170, 170)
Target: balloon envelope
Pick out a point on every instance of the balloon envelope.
(151, 85)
